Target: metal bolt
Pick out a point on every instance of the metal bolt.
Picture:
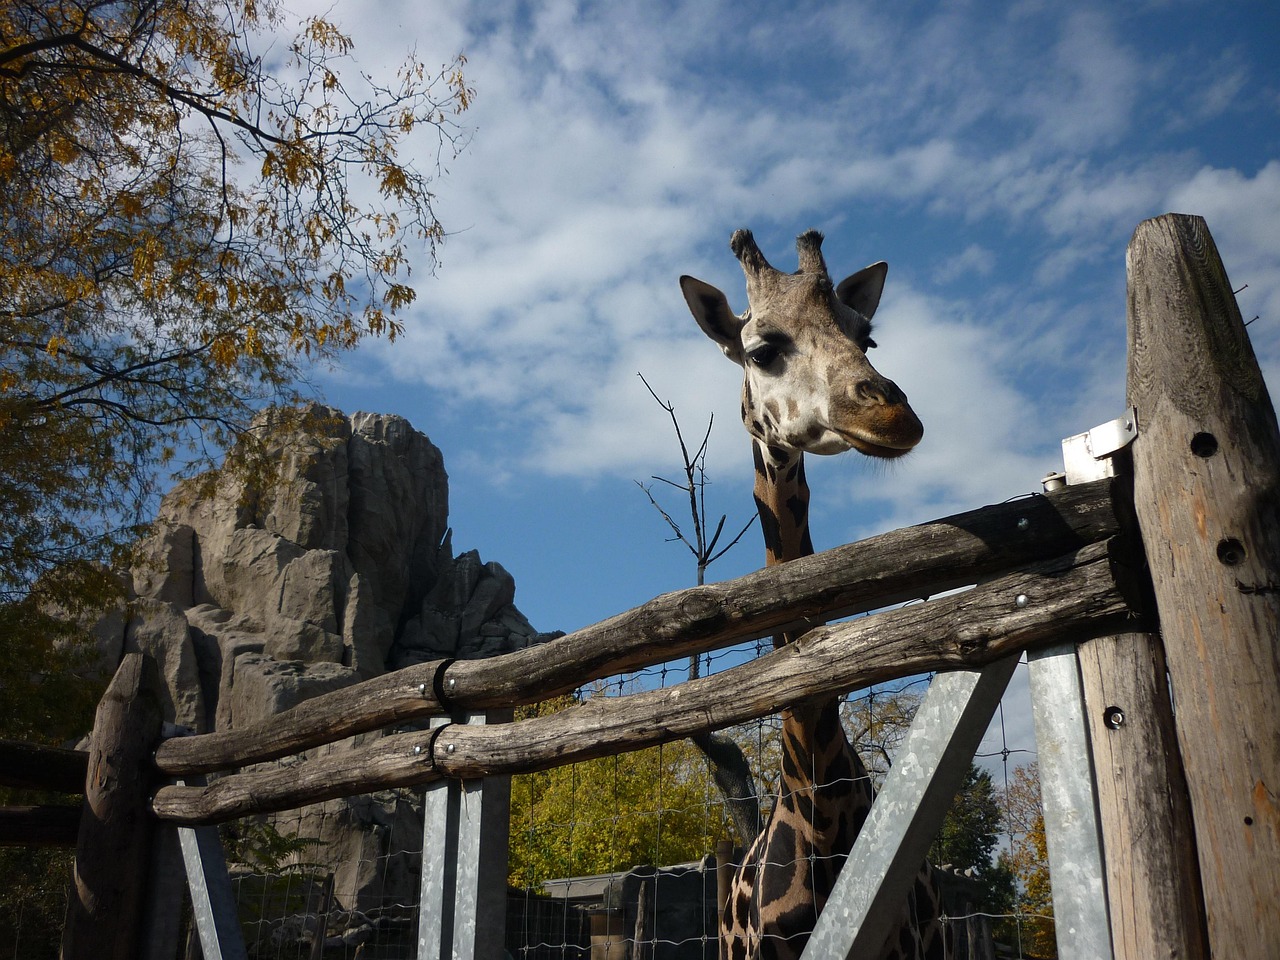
(1113, 717)
(422, 689)
(450, 747)
(1021, 600)
(417, 749)
(453, 683)
(1024, 523)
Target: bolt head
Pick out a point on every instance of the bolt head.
(1021, 600)
(1024, 523)
(417, 749)
(450, 747)
(422, 689)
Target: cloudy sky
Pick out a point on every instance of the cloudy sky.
(998, 155)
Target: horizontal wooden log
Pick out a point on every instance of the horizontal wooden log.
(1067, 599)
(34, 766)
(905, 564)
(39, 826)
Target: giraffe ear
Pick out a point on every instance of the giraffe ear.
(862, 290)
(710, 308)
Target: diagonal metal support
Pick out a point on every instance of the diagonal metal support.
(928, 769)
(213, 902)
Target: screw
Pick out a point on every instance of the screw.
(450, 747)
(417, 749)
(1024, 523)
(422, 689)
(453, 683)
(1021, 600)
(1113, 717)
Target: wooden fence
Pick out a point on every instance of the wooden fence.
(1167, 577)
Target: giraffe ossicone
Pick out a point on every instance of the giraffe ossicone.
(808, 387)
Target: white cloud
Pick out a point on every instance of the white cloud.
(615, 148)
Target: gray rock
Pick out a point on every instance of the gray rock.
(255, 596)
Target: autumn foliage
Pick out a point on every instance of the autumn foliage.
(188, 223)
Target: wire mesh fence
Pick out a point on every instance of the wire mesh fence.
(615, 857)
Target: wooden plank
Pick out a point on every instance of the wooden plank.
(114, 849)
(1073, 596)
(901, 565)
(1207, 494)
(34, 766)
(39, 826)
(1153, 888)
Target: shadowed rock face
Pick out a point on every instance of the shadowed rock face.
(253, 599)
(342, 568)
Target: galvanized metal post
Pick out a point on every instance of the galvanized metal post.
(451, 864)
(1067, 783)
(928, 769)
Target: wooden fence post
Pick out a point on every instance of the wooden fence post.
(1207, 494)
(113, 852)
(1153, 888)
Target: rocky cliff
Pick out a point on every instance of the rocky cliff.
(335, 566)
(254, 596)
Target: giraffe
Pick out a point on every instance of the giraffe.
(808, 387)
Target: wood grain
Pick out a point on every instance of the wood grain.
(1207, 493)
(113, 851)
(901, 565)
(1070, 598)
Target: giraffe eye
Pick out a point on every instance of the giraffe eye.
(763, 355)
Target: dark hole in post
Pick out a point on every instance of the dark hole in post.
(1204, 445)
(1231, 551)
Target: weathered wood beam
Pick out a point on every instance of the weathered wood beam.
(901, 565)
(104, 917)
(1153, 888)
(1072, 597)
(34, 766)
(45, 825)
(1207, 493)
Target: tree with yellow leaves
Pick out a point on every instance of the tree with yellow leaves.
(656, 806)
(186, 226)
(1029, 861)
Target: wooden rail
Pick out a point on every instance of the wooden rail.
(905, 564)
(1069, 598)
(32, 766)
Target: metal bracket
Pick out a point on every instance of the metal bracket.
(1088, 456)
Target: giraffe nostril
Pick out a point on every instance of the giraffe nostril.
(883, 392)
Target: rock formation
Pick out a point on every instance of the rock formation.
(255, 595)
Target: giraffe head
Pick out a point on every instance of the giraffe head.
(802, 343)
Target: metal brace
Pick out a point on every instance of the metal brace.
(1088, 456)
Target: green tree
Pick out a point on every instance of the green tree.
(185, 231)
(655, 806)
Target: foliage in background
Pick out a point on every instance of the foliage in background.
(34, 886)
(188, 224)
(1029, 861)
(655, 806)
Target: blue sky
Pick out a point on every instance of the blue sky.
(998, 155)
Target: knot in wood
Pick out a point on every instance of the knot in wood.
(699, 606)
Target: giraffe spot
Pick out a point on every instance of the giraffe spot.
(799, 510)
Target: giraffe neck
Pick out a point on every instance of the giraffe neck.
(782, 500)
(815, 751)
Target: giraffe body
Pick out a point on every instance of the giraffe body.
(808, 387)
